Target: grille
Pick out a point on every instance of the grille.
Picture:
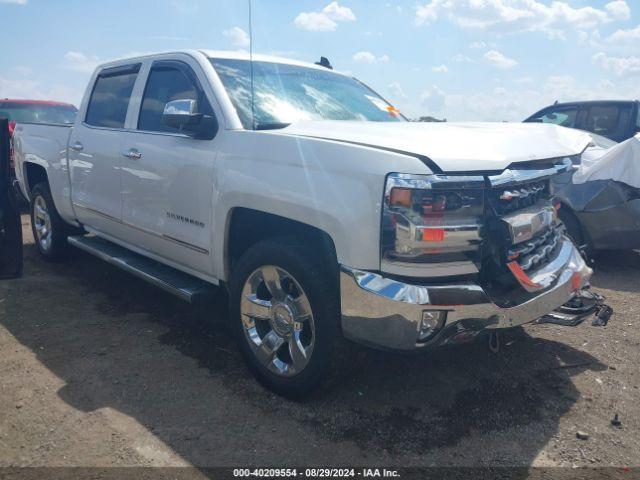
(531, 254)
(536, 252)
(506, 200)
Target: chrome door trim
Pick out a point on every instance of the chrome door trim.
(186, 244)
(144, 230)
(96, 212)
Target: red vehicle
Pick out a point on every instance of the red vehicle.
(35, 111)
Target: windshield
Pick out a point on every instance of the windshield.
(37, 113)
(285, 94)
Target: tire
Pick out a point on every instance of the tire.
(574, 229)
(287, 341)
(49, 230)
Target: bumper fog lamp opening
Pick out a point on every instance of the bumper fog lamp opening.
(430, 324)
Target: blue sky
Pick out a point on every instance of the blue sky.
(459, 59)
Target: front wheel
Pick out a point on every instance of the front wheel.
(285, 312)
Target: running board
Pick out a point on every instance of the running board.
(182, 285)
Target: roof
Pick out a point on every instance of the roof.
(228, 54)
(22, 101)
(594, 102)
(243, 55)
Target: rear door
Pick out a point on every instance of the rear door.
(95, 149)
(610, 120)
(168, 178)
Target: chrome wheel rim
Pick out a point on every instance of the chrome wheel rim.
(42, 221)
(277, 320)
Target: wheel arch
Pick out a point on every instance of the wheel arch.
(246, 226)
(567, 211)
(34, 173)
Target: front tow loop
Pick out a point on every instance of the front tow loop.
(583, 305)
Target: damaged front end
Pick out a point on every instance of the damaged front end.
(582, 306)
(491, 251)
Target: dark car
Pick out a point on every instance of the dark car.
(616, 120)
(10, 227)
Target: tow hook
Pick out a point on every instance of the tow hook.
(584, 304)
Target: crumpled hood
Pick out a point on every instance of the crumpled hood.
(455, 147)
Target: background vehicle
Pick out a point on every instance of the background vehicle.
(35, 111)
(319, 207)
(10, 225)
(601, 201)
(614, 119)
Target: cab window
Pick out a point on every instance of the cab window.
(610, 121)
(565, 117)
(110, 97)
(169, 81)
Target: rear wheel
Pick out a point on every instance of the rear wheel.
(285, 312)
(49, 230)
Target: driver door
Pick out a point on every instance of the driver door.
(167, 175)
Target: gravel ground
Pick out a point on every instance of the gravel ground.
(98, 368)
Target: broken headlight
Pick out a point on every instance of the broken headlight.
(431, 224)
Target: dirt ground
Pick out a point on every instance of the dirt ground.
(98, 368)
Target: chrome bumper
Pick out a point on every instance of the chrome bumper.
(386, 313)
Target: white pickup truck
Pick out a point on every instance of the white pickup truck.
(311, 199)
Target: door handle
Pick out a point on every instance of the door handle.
(132, 153)
(76, 147)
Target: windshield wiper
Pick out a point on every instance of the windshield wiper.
(271, 126)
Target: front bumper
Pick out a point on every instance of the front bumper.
(387, 313)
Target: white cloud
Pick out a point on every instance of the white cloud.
(510, 16)
(497, 59)
(364, 57)
(606, 85)
(502, 103)
(433, 99)
(326, 20)
(22, 70)
(460, 58)
(440, 69)
(315, 22)
(368, 57)
(238, 37)
(185, 7)
(33, 90)
(477, 45)
(80, 62)
(15, 2)
(338, 13)
(396, 90)
(621, 66)
(618, 9)
(625, 35)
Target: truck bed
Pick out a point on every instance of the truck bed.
(44, 145)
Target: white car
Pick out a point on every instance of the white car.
(311, 199)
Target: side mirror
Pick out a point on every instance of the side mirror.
(181, 114)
